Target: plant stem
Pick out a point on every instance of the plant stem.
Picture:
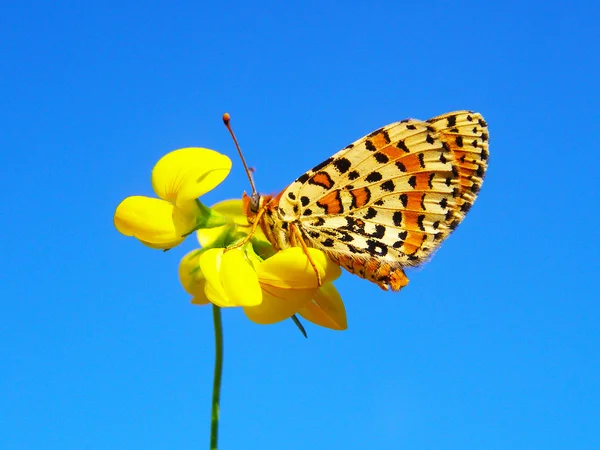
(216, 397)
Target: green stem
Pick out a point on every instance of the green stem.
(216, 397)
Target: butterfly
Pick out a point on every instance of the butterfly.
(385, 202)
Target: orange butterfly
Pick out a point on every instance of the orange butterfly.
(386, 201)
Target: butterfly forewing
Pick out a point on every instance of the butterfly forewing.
(388, 200)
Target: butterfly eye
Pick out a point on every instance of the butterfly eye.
(255, 202)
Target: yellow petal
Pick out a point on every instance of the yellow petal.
(210, 264)
(155, 222)
(230, 279)
(239, 279)
(188, 173)
(326, 309)
(192, 279)
(209, 236)
(291, 269)
(233, 210)
(278, 304)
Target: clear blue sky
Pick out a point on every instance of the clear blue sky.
(495, 344)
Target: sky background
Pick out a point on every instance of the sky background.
(495, 344)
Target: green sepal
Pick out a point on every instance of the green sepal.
(208, 218)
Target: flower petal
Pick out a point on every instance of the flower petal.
(212, 236)
(239, 279)
(188, 173)
(210, 264)
(278, 304)
(192, 279)
(291, 269)
(232, 209)
(155, 222)
(230, 279)
(326, 309)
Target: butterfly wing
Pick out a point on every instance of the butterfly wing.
(388, 200)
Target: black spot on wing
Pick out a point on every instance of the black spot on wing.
(327, 242)
(373, 177)
(430, 181)
(379, 231)
(376, 248)
(404, 200)
(321, 165)
(319, 221)
(342, 165)
(345, 237)
(402, 146)
(374, 133)
(371, 213)
(388, 186)
(355, 225)
(302, 178)
(381, 158)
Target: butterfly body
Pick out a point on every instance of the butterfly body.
(386, 201)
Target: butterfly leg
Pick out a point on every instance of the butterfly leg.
(250, 233)
(298, 239)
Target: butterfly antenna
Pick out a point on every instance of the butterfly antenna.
(226, 121)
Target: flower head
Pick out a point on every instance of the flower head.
(270, 286)
(179, 178)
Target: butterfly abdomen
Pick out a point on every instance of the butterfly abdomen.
(382, 273)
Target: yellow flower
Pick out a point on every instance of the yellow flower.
(236, 228)
(179, 178)
(269, 290)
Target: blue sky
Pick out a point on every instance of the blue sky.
(494, 344)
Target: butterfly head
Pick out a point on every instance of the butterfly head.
(252, 204)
